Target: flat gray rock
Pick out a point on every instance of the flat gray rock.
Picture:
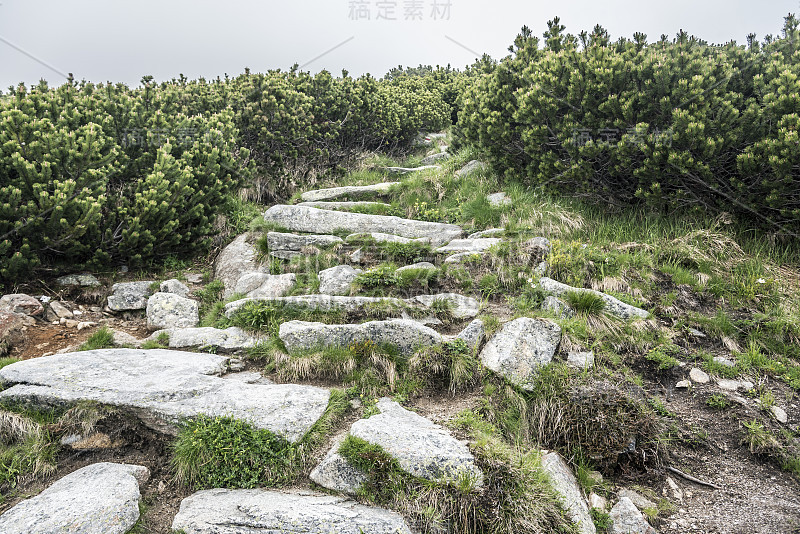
(227, 340)
(56, 310)
(258, 511)
(464, 307)
(162, 387)
(167, 310)
(259, 284)
(481, 244)
(399, 171)
(350, 191)
(21, 303)
(238, 258)
(379, 237)
(286, 246)
(566, 486)
(471, 168)
(435, 158)
(305, 219)
(627, 519)
(335, 473)
(345, 205)
(461, 257)
(487, 233)
(174, 286)
(614, 306)
(101, 498)
(428, 266)
(520, 348)
(337, 280)
(421, 447)
(80, 280)
(406, 335)
(127, 296)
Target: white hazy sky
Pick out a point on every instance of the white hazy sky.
(111, 40)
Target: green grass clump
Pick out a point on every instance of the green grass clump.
(8, 361)
(268, 316)
(406, 253)
(451, 366)
(378, 277)
(602, 521)
(584, 302)
(717, 401)
(102, 339)
(664, 356)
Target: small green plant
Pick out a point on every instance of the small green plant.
(717, 401)
(602, 521)
(411, 252)
(381, 276)
(664, 356)
(8, 361)
(102, 339)
(759, 439)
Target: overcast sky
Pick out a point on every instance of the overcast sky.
(101, 40)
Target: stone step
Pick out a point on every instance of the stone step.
(101, 498)
(227, 340)
(345, 205)
(421, 448)
(318, 195)
(162, 387)
(469, 245)
(313, 220)
(400, 171)
(286, 246)
(614, 306)
(465, 307)
(408, 336)
(235, 260)
(385, 238)
(259, 511)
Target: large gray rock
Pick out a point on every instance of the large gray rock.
(345, 205)
(305, 219)
(101, 498)
(480, 244)
(258, 511)
(21, 303)
(473, 335)
(238, 258)
(520, 348)
(228, 340)
(463, 307)
(421, 447)
(627, 519)
(435, 158)
(335, 473)
(80, 280)
(378, 237)
(399, 171)
(566, 486)
(13, 327)
(259, 284)
(285, 246)
(127, 296)
(406, 335)
(162, 387)
(350, 191)
(337, 280)
(614, 306)
(168, 310)
(174, 286)
(471, 168)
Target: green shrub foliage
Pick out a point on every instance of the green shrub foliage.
(675, 123)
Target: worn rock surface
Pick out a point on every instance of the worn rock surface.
(435, 158)
(480, 244)
(257, 511)
(426, 265)
(566, 486)
(127, 296)
(350, 191)
(345, 205)
(162, 387)
(558, 307)
(21, 303)
(470, 168)
(335, 473)
(614, 306)
(238, 258)
(167, 310)
(305, 219)
(337, 280)
(580, 360)
(628, 519)
(420, 446)
(258, 284)
(498, 199)
(57, 310)
(520, 348)
(101, 498)
(473, 335)
(285, 245)
(227, 340)
(174, 286)
(379, 237)
(406, 335)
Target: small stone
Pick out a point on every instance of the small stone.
(357, 256)
(598, 502)
(734, 385)
(463, 256)
(491, 232)
(70, 323)
(779, 414)
(176, 287)
(194, 278)
(677, 493)
(469, 245)
(696, 333)
(127, 296)
(435, 158)
(580, 360)
(58, 311)
(558, 307)
(335, 473)
(473, 335)
(22, 304)
(259, 284)
(471, 168)
(699, 376)
(125, 339)
(638, 500)
(566, 486)
(337, 280)
(83, 325)
(724, 361)
(498, 199)
(318, 195)
(683, 384)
